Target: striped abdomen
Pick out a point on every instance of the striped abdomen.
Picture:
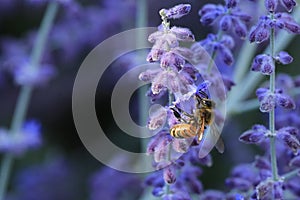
(183, 131)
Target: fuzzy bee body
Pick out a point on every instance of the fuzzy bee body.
(183, 131)
(202, 116)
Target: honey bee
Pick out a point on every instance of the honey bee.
(194, 125)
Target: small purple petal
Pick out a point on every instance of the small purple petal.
(285, 101)
(231, 3)
(264, 189)
(295, 161)
(226, 55)
(225, 23)
(183, 34)
(177, 11)
(261, 93)
(169, 174)
(288, 4)
(271, 5)
(158, 191)
(254, 136)
(290, 140)
(239, 27)
(284, 58)
(180, 145)
(259, 33)
(268, 103)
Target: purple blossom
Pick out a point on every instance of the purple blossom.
(288, 137)
(183, 34)
(223, 46)
(157, 118)
(271, 5)
(268, 100)
(229, 16)
(288, 4)
(263, 63)
(284, 58)
(254, 135)
(261, 31)
(177, 11)
(295, 161)
(18, 143)
(169, 174)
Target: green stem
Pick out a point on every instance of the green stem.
(25, 93)
(272, 112)
(214, 53)
(291, 174)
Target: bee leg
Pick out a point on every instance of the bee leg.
(201, 131)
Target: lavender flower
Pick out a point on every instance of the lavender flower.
(29, 137)
(229, 15)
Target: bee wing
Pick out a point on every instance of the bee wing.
(211, 138)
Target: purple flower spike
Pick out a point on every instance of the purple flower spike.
(271, 5)
(169, 174)
(284, 58)
(177, 11)
(288, 4)
(203, 87)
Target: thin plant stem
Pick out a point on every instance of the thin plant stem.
(141, 21)
(25, 93)
(272, 113)
(290, 174)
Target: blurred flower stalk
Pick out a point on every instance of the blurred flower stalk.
(24, 98)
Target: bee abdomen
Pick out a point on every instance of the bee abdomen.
(183, 131)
